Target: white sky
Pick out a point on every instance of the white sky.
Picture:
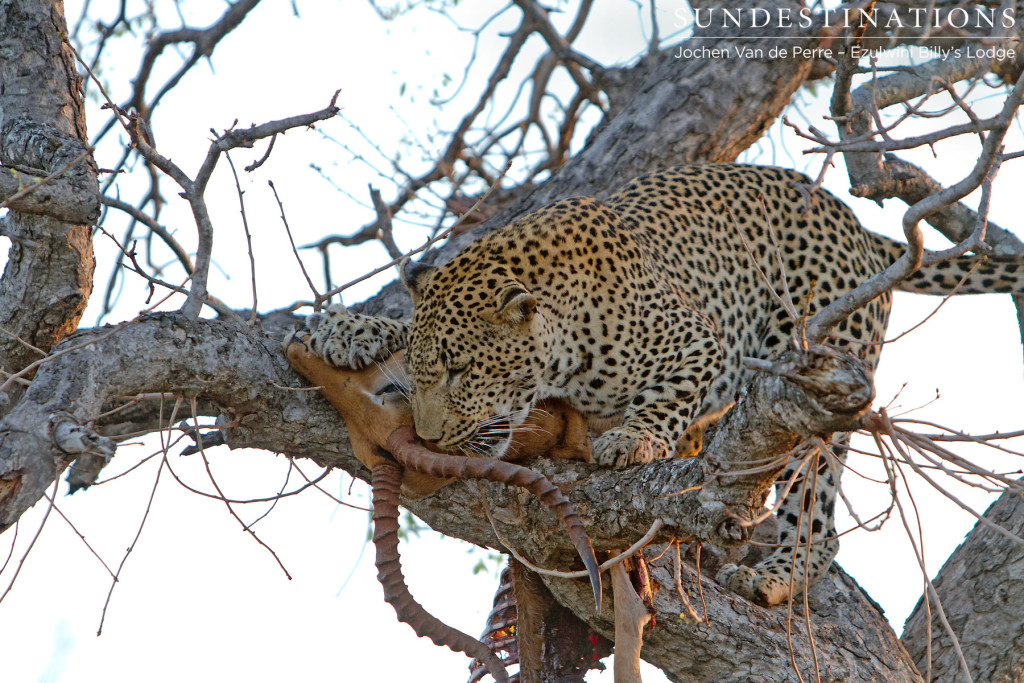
(200, 600)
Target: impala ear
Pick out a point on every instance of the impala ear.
(412, 273)
(516, 306)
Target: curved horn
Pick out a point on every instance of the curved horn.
(387, 486)
(413, 456)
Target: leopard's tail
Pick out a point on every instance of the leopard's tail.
(963, 275)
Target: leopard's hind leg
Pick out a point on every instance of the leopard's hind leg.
(807, 535)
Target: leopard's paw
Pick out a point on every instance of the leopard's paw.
(621, 447)
(351, 340)
(298, 337)
(763, 588)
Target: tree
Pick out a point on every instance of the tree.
(675, 104)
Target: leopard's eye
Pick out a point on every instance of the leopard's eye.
(456, 369)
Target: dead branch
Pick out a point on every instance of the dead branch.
(194, 190)
(842, 307)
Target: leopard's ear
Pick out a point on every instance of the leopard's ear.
(515, 306)
(413, 274)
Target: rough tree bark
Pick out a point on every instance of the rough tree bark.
(48, 278)
(979, 586)
(668, 112)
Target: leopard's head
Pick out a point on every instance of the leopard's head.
(474, 353)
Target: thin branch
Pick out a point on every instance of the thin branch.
(910, 261)
(81, 536)
(248, 235)
(206, 463)
(159, 230)
(142, 524)
(384, 230)
(32, 543)
(426, 245)
(291, 241)
(931, 594)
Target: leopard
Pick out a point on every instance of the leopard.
(637, 311)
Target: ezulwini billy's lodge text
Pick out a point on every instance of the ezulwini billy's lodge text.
(799, 52)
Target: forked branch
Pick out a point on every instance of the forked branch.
(910, 261)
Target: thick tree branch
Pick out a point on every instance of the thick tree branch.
(48, 276)
(239, 372)
(979, 584)
(227, 363)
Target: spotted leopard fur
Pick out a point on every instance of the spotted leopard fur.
(637, 311)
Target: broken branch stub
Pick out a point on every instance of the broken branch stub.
(799, 395)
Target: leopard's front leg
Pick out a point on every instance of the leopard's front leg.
(662, 414)
(352, 340)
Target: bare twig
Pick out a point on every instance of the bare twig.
(248, 235)
(263, 159)
(81, 536)
(932, 595)
(206, 463)
(32, 543)
(142, 524)
(842, 307)
(426, 245)
(291, 241)
(159, 230)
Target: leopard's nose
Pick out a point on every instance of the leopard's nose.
(427, 423)
(427, 434)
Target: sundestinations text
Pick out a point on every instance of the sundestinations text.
(907, 17)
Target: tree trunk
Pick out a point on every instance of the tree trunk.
(980, 590)
(48, 278)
